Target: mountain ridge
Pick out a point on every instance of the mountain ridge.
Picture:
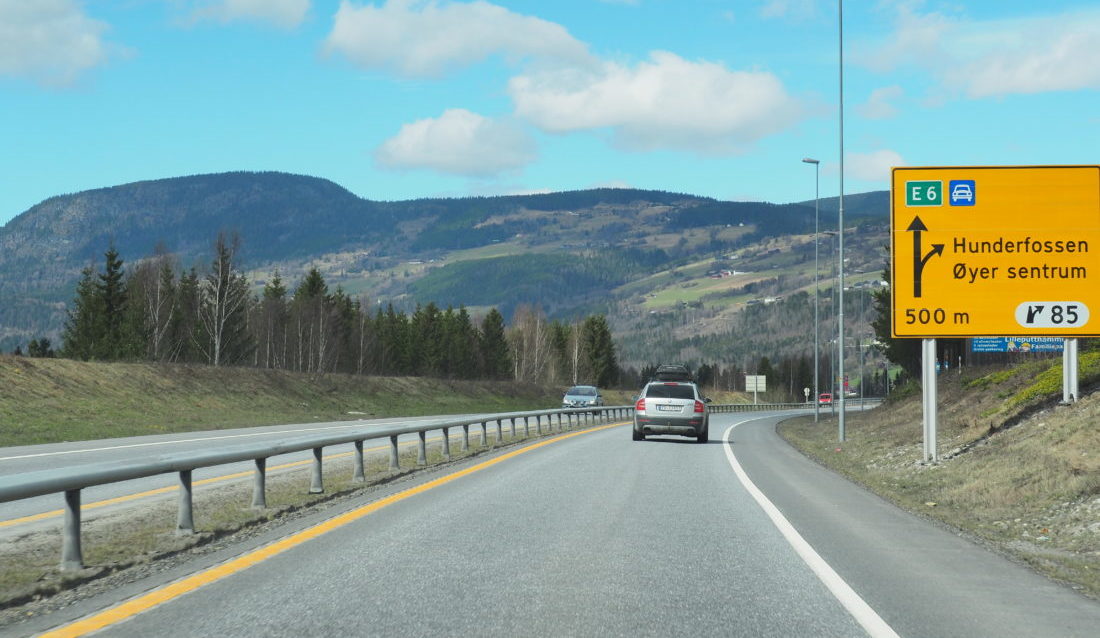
(379, 248)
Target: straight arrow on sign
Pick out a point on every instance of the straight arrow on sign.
(917, 227)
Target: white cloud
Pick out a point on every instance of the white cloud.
(49, 41)
(460, 143)
(872, 167)
(426, 38)
(285, 14)
(878, 106)
(994, 58)
(664, 103)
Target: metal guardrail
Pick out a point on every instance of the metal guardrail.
(757, 407)
(750, 407)
(72, 480)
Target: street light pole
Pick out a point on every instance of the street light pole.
(840, 229)
(817, 288)
(861, 372)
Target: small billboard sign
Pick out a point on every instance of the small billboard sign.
(1017, 344)
(756, 383)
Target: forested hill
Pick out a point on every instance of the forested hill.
(289, 221)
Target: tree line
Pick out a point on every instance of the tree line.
(155, 311)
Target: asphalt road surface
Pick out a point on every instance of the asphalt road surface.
(596, 535)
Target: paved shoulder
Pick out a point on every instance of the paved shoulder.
(922, 579)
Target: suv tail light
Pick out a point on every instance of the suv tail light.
(640, 406)
(699, 407)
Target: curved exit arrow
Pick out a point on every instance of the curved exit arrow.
(917, 227)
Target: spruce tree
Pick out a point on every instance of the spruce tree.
(426, 345)
(83, 328)
(111, 288)
(600, 351)
(495, 360)
(462, 346)
(187, 334)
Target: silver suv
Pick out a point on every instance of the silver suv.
(671, 407)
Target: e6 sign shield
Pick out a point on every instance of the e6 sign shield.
(985, 251)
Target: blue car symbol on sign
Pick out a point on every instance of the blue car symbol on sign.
(962, 192)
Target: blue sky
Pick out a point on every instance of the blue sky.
(415, 98)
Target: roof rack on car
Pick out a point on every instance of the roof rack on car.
(672, 373)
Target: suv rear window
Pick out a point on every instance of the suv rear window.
(674, 391)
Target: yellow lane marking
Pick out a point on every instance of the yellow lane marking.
(172, 488)
(145, 602)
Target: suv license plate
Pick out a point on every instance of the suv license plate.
(668, 408)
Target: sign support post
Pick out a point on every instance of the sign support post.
(755, 383)
(928, 394)
(1070, 385)
(1074, 384)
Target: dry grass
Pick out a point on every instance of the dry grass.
(1018, 470)
(52, 400)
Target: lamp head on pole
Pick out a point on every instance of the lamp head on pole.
(810, 160)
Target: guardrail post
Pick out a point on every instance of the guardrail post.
(185, 520)
(538, 422)
(466, 437)
(259, 485)
(316, 484)
(71, 556)
(513, 427)
(446, 444)
(500, 432)
(484, 434)
(358, 475)
(527, 427)
(395, 462)
(422, 448)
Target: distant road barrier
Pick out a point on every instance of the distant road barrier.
(72, 480)
(761, 407)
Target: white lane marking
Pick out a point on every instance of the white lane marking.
(195, 440)
(856, 606)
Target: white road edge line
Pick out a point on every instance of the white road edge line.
(856, 606)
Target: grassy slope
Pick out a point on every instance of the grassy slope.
(50, 400)
(1019, 471)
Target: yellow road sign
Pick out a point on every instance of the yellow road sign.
(992, 251)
